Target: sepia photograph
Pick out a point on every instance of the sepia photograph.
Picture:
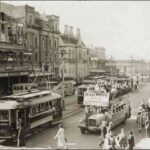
(74, 75)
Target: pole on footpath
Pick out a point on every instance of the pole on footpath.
(63, 52)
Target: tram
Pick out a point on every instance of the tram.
(34, 108)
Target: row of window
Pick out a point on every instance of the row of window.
(43, 107)
(119, 108)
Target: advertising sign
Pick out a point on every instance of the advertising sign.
(96, 99)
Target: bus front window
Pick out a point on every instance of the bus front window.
(4, 115)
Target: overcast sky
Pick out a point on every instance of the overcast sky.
(122, 27)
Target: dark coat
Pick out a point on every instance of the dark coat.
(21, 136)
(104, 131)
(131, 142)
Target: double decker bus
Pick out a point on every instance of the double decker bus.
(100, 107)
(35, 109)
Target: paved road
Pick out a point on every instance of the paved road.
(90, 140)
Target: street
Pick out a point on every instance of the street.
(89, 140)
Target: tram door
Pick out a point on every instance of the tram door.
(23, 114)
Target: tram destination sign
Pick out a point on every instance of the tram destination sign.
(96, 99)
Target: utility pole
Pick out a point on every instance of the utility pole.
(142, 69)
(62, 53)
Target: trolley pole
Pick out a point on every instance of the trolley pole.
(63, 52)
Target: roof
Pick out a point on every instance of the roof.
(8, 104)
(71, 40)
(27, 95)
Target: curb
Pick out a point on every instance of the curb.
(72, 113)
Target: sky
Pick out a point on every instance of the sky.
(122, 27)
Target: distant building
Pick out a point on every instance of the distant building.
(130, 67)
(97, 60)
(77, 54)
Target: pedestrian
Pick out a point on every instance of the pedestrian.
(122, 139)
(130, 141)
(21, 136)
(139, 121)
(61, 138)
(103, 129)
(109, 128)
(147, 127)
(111, 141)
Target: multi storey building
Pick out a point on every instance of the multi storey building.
(76, 56)
(29, 45)
(14, 63)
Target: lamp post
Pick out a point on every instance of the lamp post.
(62, 53)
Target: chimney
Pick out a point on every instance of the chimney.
(71, 31)
(78, 33)
(66, 30)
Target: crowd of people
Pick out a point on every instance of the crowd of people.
(112, 141)
(143, 117)
(115, 88)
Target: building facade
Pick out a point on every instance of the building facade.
(29, 45)
(76, 57)
(14, 63)
(97, 60)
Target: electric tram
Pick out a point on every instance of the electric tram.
(34, 108)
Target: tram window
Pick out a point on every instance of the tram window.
(117, 109)
(33, 110)
(113, 110)
(4, 115)
(121, 107)
(42, 106)
(50, 104)
(38, 108)
(46, 106)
